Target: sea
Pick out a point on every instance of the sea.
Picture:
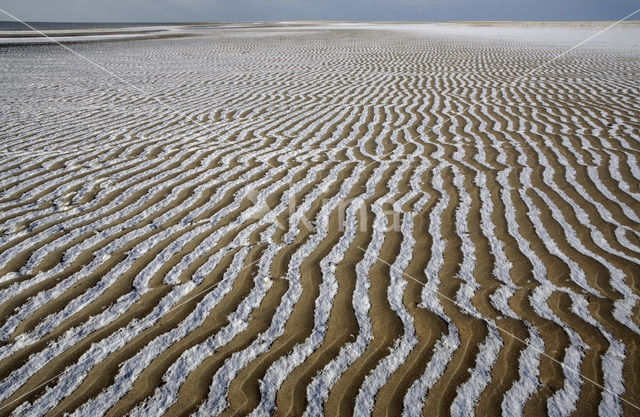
(13, 25)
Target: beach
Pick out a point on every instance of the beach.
(321, 218)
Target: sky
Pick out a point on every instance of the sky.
(270, 10)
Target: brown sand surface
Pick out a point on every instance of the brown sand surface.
(230, 240)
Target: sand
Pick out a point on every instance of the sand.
(220, 239)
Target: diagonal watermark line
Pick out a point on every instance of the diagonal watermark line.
(526, 74)
(143, 92)
(579, 44)
(495, 326)
(111, 73)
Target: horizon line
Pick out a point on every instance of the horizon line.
(202, 22)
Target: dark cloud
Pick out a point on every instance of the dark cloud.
(257, 10)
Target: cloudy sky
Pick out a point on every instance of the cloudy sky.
(256, 10)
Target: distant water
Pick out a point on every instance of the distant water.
(13, 25)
